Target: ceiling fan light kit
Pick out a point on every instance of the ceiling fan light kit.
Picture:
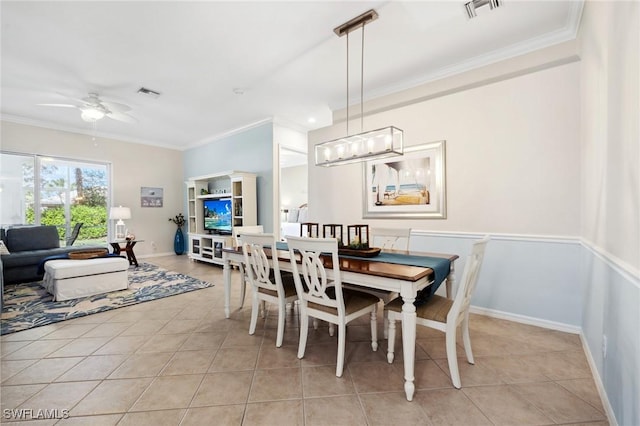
(91, 114)
(380, 143)
(92, 109)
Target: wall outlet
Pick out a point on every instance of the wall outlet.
(604, 346)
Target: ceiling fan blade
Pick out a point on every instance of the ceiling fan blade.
(92, 98)
(121, 117)
(113, 110)
(59, 105)
(116, 107)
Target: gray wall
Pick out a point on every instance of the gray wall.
(546, 160)
(249, 151)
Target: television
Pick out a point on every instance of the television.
(217, 216)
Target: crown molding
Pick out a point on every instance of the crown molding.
(227, 134)
(88, 132)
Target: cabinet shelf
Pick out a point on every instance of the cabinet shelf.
(214, 196)
(240, 187)
(208, 248)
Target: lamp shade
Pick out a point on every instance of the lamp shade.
(120, 213)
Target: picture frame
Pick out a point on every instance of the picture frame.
(151, 196)
(410, 187)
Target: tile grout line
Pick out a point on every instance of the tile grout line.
(238, 326)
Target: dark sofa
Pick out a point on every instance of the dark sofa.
(28, 246)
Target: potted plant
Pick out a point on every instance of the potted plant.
(178, 241)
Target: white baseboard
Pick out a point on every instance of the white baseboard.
(567, 328)
(147, 256)
(559, 327)
(611, 417)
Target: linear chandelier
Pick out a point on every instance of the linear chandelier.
(380, 143)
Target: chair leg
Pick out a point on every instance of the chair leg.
(342, 331)
(452, 358)
(254, 314)
(374, 330)
(304, 330)
(243, 285)
(391, 339)
(385, 324)
(315, 323)
(282, 306)
(332, 329)
(467, 340)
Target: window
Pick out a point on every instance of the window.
(54, 191)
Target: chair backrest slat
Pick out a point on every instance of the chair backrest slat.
(390, 238)
(311, 270)
(258, 267)
(468, 281)
(239, 230)
(74, 234)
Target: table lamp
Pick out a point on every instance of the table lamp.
(120, 213)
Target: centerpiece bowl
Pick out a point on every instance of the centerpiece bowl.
(359, 252)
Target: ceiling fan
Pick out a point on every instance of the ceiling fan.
(92, 109)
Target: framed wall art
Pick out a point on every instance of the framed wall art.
(410, 186)
(151, 197)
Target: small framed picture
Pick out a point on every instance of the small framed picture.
(151, 197)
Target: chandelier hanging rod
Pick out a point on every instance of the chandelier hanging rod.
(355, 23)
(344, 29)
(367, 145)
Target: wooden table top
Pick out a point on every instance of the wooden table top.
(369, 266)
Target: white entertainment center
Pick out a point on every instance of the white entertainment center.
(240, 189)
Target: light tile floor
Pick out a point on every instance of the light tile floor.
(178, 361)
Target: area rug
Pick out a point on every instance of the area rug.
(29, 305)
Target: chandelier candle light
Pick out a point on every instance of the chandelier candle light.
(380, 143)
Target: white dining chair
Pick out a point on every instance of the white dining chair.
(390, 238)
(237, 231)
(324, 298)
(445, 314)
(386, 239)
(268, 283)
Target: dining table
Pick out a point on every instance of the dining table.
(400, 271)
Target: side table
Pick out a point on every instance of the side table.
(128, 248)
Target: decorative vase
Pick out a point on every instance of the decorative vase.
(178, 242)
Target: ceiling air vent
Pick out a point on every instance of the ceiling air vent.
(149, 92)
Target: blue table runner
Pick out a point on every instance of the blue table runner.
(439, 265)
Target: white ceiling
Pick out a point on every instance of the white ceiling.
(284, 56)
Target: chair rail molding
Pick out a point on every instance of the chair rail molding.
(627, 271)
(499, 236)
